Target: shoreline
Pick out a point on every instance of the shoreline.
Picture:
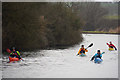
(98, 32)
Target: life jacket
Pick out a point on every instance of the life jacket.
(16, 53)
(111, 46)
(98, 55)
(82, 50)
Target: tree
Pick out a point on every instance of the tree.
(31, 26)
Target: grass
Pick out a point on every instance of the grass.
(112, 17)
(99, 32)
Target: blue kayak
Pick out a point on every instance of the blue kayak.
(98, 60)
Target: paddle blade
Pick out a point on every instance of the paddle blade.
(8, 50)
(90, 45)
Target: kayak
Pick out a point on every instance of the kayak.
(111, 49)
(13, 59)
(82, 54)
(98, 60)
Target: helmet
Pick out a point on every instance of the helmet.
(82, 45)
(13, 48)
(98, 51)
(110, 42)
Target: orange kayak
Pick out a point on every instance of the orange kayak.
(13, 59)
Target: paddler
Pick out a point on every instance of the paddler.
(111, 46)
(16, 53)
(82, 50)
(97, 55)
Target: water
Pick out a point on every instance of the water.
(63, 63)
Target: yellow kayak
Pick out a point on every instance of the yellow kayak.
(111, 49)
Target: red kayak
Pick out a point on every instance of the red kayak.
(13, 59)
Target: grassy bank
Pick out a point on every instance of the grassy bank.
(115, 17)
(98, 32)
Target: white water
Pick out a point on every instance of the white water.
(63, 63)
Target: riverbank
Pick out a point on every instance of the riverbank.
(98, 32)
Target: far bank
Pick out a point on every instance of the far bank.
(99, 32)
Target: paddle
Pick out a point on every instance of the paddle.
(89, 46)
(8, 50)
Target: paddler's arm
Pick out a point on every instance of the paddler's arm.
(103, 52)
(86, 50)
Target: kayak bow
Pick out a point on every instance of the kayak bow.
(13, 59)
(111, 49)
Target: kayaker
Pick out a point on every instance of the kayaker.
(16, 53)
(82, 50)
(111, 46)
(97, 55)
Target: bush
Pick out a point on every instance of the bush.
(30, 26)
